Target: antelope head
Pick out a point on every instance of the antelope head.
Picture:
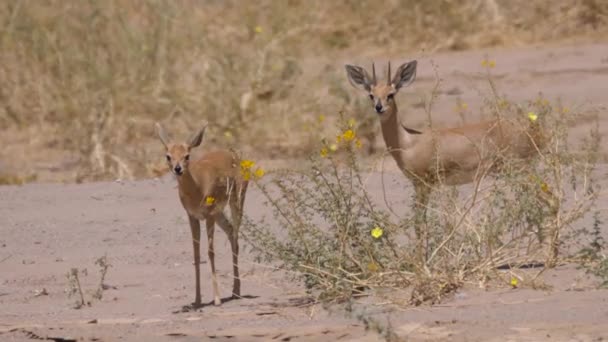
(382, 95)
(178, 154)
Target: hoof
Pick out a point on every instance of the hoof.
(217, 302)
(190, 308)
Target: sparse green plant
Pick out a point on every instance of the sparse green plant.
(336, 238)
(75, 284)
(103, 264)
(593, 256)
(74, 287)
(597, 244)
(370, 321)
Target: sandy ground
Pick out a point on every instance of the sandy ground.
(47, 229)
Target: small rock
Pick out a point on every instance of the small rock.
(461, 295)
(42, 292)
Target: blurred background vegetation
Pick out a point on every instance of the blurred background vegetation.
(82, 82)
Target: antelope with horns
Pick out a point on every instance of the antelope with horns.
(205, 185)
(451, 156)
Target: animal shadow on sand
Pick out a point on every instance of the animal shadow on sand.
(194, 308)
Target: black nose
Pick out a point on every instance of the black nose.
(178, 170)
(379, 108)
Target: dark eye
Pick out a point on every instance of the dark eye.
(371, 97)
(390, 96)
(168, 157)
(187, 157)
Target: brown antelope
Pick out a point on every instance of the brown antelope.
(451, 156)
(206, 184)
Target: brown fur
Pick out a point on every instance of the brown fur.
(215, 174)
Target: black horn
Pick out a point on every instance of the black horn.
(373, 73)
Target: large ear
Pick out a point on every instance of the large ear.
(197, 137)
(405, 75)
(162, 134)
(359, 78)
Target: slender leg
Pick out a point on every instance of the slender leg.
(233, 236)
(211, 252)
(234, 244)
(195, 228)
(420, 206)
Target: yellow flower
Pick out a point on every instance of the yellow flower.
(321, 118)
(348, 135)
(259, 173)
(542, 102)
(461, 107)
(377, 232)
(246, 173)
(247, 164)
(532, 116)
(514, 282)
(209, 200)
(358, 143)
(544, 187)
(372, 267)
(488, 63)
(351, 123)
(565, 110)
(258, 29)
(333, 147)
(228, 134)
(324, 152)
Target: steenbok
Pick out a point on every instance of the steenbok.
(449, 156)
(205, 185)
